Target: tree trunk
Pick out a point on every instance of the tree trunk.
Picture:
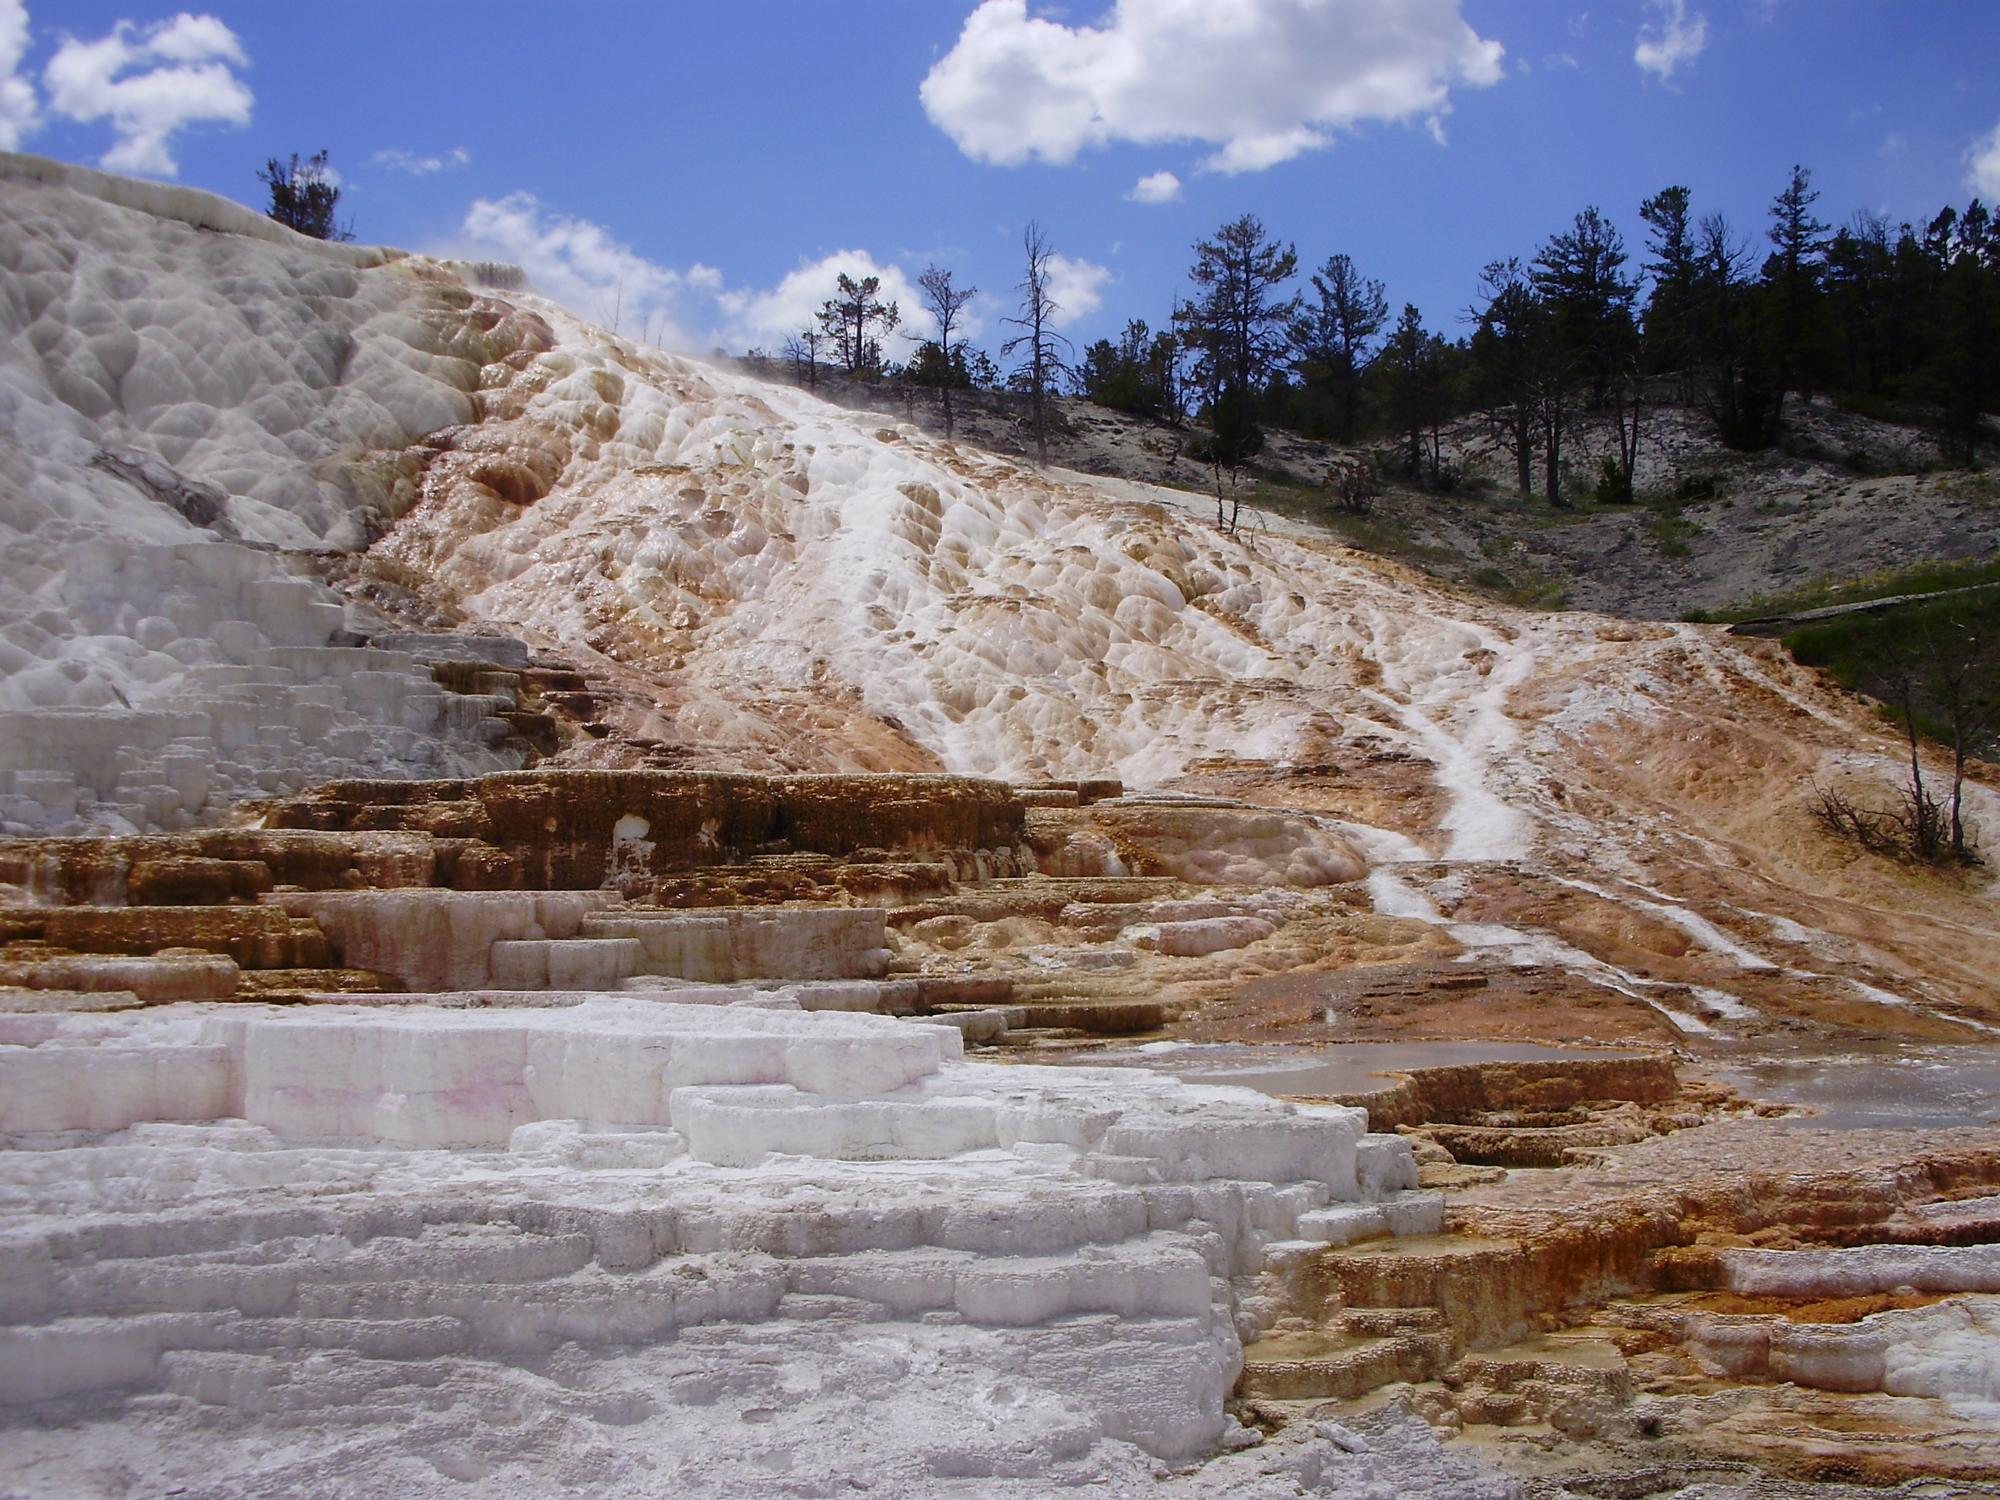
(1553, 473)
(1958, 797)
(944, 348)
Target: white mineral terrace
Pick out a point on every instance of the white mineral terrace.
(763, 1209)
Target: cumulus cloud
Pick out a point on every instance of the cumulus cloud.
(398, 160)
(586, 268)
(1675, 37)
(1077, 287)
(1260, 80)
(1983, 165)
(765, 319)
(150, 82)
(17, 95)
(577, 263)
(1157, 187)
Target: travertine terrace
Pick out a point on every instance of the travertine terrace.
(577, 921)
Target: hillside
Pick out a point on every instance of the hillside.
(454, 529)
(572, 917)
(1844, 496)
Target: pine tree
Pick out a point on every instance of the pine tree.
(1741, 398)
(1506, 357)
(1331, 337)
(1236, 329)
(1580, 277)
(1413, 366)
(1671, 333)
(1588, 344)
(1136, 374)
(945, 303)
(856, 321)
(304, 196)
(1792, 277)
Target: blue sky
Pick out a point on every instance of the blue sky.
(702, 169)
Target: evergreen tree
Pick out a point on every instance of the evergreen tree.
(856, 321)
(1588, 346)
(1136, 374)
(1506, 357)
(1580, 277)
(1413, 364)
(946, 303)
(981, 371)
(1960, 375)
(1792, 282)
(1671, 330)
(1331, 338)
(1859, 275)
(305, 196)
(1235, 327)
(935, 370)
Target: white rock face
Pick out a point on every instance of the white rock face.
(727, 944)
(442, 940)
(1203, 935)
(1861, 1269)
(585, 940)
(1949, 1350)
(231, 364)
(715, 1219)
(176, 403)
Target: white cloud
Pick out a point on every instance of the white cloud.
(1156, 187)
(1982, 162)
(150, 83)
(17, 95)
(1261, 80)
(398, 160)
(1676, 38)
(585, 267)
(1077, 287)
(765, 319)
(577, 263)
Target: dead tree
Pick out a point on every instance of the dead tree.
(945, 303)
(1043, 365)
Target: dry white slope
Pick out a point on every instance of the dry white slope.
(186, 387)
(794, 584)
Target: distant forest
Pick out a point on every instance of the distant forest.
(1898, 321)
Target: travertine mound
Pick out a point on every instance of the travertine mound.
(551, 542)
(545, 1178)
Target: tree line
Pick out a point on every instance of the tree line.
(1901, 321)
(1896, 320)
